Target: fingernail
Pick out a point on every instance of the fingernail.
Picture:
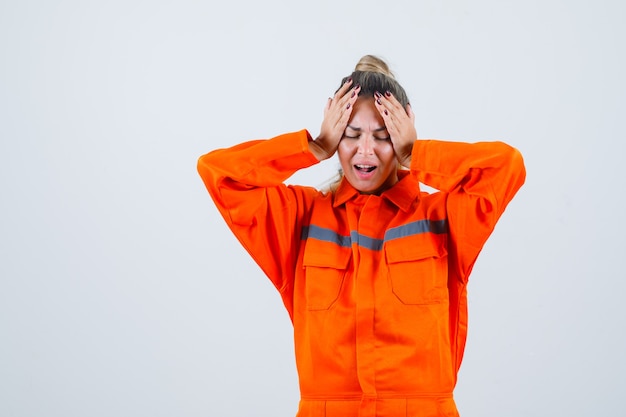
(388, 93)
(348, 106)
(358, 86)
(386, 112)
(353, 93)
(377, 94)
(349, 80)
(378, 101)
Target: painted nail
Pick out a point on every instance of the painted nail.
(377, 94)
(386, 112)
(348, 106)
(349, 80)
(357, 86)
(388, 93)
(378, 101)
(353, 93)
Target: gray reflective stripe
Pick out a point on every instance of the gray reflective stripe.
(366, 241)
(326, 235)
(421, 226)
(409, 229)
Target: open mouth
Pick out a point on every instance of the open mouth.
(365, 168)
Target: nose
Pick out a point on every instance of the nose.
(366, 144)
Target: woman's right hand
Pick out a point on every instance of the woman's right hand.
(336, 115)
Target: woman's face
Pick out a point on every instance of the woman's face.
(365, 151)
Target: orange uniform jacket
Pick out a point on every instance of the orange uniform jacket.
(375, 285)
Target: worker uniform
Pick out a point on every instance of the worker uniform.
(375, 285)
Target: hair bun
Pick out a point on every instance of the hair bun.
(371, 63)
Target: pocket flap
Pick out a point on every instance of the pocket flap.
(325, 255)
(409, 249)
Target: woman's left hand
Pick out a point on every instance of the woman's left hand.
(400, 123)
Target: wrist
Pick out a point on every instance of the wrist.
(404, 155)
(318, 150)
(405, 161)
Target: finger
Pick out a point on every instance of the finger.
(392, 103)
(345, 115)
(398, 122)
(342, 107)
(352, 97)
(339, 94)
(343, 89)
(383, 107)
(409, 111)
(329, 102)
(348, 98)
(392, 111)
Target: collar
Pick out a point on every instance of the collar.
(402, 194)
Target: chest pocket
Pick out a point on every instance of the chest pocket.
(418, 271)
(325, 272)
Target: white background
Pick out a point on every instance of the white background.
(122, 293)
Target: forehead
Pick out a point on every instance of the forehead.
(365, 116)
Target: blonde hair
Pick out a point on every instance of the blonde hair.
(373, 63)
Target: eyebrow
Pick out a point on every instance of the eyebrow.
(358, 129)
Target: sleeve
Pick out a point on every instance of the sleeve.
(266, 216)
(480, 179)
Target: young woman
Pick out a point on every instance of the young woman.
(373, 272)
